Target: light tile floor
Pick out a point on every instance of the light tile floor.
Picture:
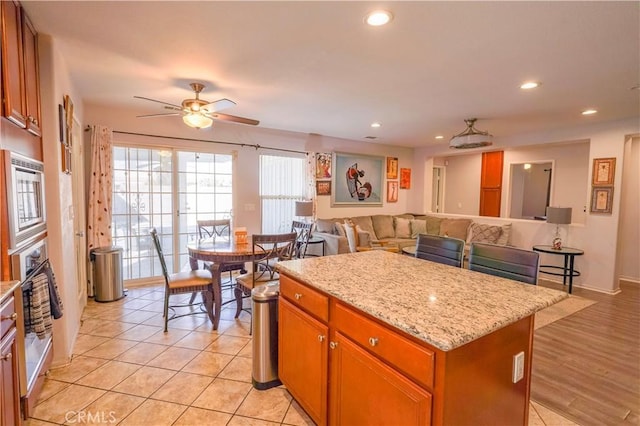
(125, 370)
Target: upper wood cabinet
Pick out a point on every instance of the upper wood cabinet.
(21, 90)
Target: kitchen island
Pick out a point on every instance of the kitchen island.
(380, 338)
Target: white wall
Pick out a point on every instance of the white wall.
(54, 84)
(629, 229)
(462, 184)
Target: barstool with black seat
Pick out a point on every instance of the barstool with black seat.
(507, 262)
(268, 249)
(449, 251)
(199, 280)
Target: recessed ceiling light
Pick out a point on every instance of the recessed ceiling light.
(378, 18)
(530, 85)
(589, 111)
(439, 137)
(375, 125)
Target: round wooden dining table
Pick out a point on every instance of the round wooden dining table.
(218, 252)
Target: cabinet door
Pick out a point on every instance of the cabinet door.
(302, 359)
(13, 103)
(364, 390)
(10, 390)
(31, 80)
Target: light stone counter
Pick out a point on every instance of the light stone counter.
(444, 306)
(7, 288)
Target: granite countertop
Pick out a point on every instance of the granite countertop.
(6, 288)
(441, 305)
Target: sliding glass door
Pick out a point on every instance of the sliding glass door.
(169, 190)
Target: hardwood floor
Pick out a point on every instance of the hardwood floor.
(586, 366)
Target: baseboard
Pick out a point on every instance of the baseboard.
(629, 280)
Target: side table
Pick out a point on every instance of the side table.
(568, 270)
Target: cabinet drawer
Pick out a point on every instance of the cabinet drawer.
(305, 298)
(404, 355)
(8, 315)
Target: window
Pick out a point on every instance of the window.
(168, 190)
(282, 183)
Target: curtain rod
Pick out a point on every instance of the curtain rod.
(204, 140)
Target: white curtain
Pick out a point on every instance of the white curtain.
(100, 188)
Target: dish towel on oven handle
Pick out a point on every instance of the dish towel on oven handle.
(54, 295)
(40, 307)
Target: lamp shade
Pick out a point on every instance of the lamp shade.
(197, 120)
(304, 208)
(559, 215)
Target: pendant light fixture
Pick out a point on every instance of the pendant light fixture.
(471, 137)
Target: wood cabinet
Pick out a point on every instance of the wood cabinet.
(378, 374)
(9, 374)
(21, 91)
(491, 183)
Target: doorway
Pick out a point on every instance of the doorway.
(437, 192)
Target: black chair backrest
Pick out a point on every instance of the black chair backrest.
(508, 262)
(156, 243)
(268, 249)
(214, 228)
(449, 251)
(303, 232)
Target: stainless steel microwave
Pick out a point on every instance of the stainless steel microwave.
(25, 199)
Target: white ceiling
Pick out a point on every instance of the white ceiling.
(315, 67)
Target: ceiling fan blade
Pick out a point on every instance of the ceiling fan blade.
(218, 105)
(165, 114)
(160, 102)
(235, 119)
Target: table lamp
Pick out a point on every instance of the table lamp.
(304, 209)
(558, 216)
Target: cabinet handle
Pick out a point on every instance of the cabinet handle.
(7, 357)
(333, 345)
(298, 296)
(12, 317)
(373, 341)
(321, 338)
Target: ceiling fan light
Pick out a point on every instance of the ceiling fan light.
(471, 137)
(197, 120)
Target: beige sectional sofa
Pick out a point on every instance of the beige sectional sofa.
(403, 230)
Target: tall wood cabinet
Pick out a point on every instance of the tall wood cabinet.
(9, 374)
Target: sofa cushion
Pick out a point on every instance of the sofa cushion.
(454, 228)
(339, 229)
(365, 223)
(324, 226)
(352, 235)
(405, 216)
(418, 226)
(481, 233)
(383, 226)
(433, 225)
(504, 236)
(403, 227)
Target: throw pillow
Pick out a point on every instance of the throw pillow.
(365, 223)
(418, 227)
(383, 226)
(352, 236)
(504, 236)
(339, 227)
(403, 227)
(454, 228)
(324, 225)
(433, 225)
(481, 233)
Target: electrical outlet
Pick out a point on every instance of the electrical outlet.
(518, 367)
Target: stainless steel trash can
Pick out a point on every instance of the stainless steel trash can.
(264, 324)
(107, 273)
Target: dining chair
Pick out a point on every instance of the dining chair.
(268, 250)
(199, 280)
(303, 232)
(503, 261)
(449, 251)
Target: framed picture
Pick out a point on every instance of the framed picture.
(601, 199)
(405, 178)
(392, 191)
(604, 171)
(392, 168)
(62, 126)
(323, 187)
(357, 180)
(323, 165)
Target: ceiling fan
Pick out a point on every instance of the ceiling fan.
(197, 112)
